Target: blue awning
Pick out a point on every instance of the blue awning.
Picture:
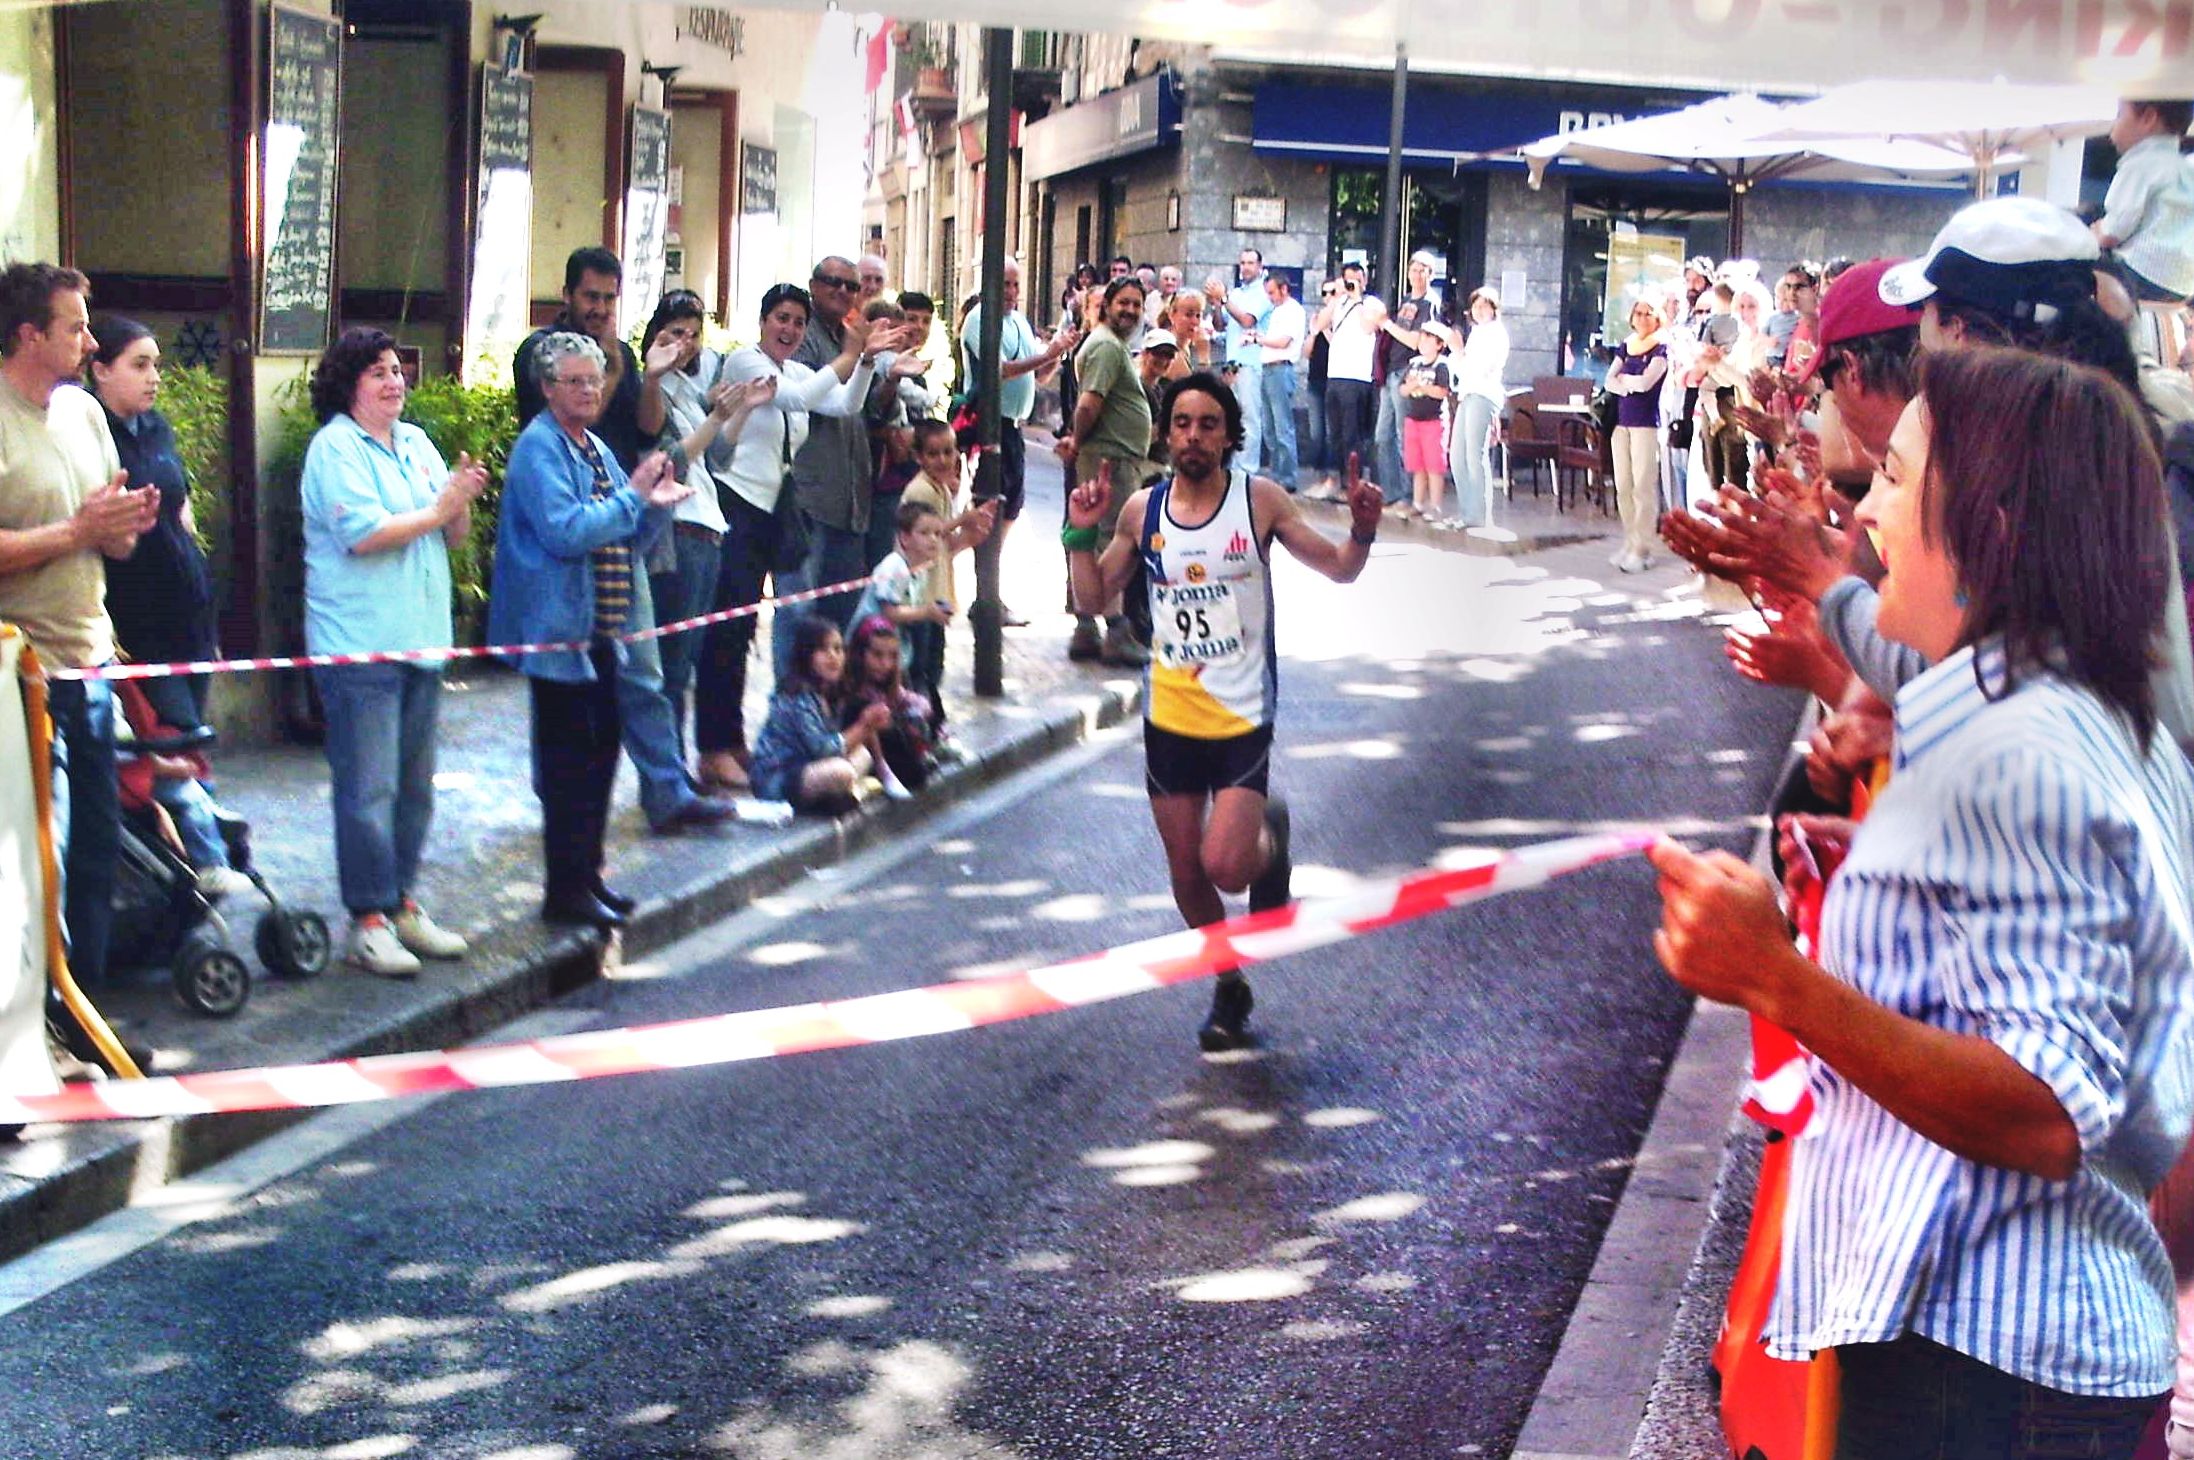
(1118, 123)
(1336, 121)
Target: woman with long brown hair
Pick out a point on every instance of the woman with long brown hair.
(2000, 1016)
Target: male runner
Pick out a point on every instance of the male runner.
(1204, 536)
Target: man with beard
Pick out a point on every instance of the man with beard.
(1110, 438)
(1204, 536)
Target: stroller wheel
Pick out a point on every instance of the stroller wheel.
(212, 980)
(293, 944)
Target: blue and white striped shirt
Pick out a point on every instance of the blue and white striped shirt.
(2023, 879)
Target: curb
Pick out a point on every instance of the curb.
(99, 1169)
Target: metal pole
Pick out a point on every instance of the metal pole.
(1390, 211)
(987, 615)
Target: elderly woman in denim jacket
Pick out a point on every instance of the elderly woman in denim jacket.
(570, 538)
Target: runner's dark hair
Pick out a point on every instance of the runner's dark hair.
(1217, 389)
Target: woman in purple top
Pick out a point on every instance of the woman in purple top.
(1635, 382)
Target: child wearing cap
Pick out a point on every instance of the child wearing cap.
(1425, 389)
(2148, 214)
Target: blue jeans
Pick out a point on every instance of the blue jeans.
(646, 722)
(1386, 445)
(684, 592)
(380, 748)
(87, 819)
(755, 550)
(1912, 1396)
(1249, 394)
(191, 809)
(883, 527)
(1277, 386)
(1466, 453)
(835, 555)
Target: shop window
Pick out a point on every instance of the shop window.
(1622, 239)
(1359, 193)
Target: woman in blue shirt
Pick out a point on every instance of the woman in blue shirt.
(160, 596)
(2000, 1018)
(381, 512)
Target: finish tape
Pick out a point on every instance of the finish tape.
(800, 1028)
(414, 656)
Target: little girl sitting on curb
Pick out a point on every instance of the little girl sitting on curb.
(874, 677)
(800, 756)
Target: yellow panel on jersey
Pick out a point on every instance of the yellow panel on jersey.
(1180, 703)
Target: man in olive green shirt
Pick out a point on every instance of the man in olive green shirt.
(1111, 431)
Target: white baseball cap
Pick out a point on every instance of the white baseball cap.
(1158, 340)
(2006, 255)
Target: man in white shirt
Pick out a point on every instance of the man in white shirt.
(1279, 335)
(1244, 306)
(1351, 327)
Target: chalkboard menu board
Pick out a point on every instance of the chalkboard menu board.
(497, 315)
(757, 179)
(647, 216)
(304, 107)
(506, 121)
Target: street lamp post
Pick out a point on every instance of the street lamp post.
(987, 616)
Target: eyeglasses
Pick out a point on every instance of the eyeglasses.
(580, 382)
(836, 282)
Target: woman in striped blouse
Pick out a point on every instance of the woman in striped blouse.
(2001, 1017)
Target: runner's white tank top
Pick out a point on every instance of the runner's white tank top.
(1213, 671)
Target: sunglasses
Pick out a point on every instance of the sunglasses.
(837, 283)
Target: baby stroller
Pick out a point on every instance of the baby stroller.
(160, 915)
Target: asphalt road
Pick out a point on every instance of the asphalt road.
(1068, 1237)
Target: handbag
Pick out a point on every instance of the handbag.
(1604, 410)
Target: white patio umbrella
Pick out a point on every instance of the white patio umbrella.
(1726, 138)
(1991, 123)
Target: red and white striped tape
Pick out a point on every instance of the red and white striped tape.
(414, 656)
(766, 1033)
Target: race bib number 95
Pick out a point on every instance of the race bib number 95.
(1195, 623)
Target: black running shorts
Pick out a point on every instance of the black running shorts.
(1183, 765)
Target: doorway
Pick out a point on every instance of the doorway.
(1443, 213)
(1621, 239)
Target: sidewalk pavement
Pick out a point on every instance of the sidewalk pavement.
(481, 877)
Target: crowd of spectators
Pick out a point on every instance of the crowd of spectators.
(1955, 489)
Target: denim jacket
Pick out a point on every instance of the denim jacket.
(550, 521)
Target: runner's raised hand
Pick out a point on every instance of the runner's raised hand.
(1086, 503)
(1364, 499)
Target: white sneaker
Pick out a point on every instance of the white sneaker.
(423, 935)
(219, 882)
(1619, 558)
(375, 948)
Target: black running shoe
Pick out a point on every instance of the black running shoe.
(1231, 1002)
(1271, 889)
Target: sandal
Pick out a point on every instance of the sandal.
(721, 771)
